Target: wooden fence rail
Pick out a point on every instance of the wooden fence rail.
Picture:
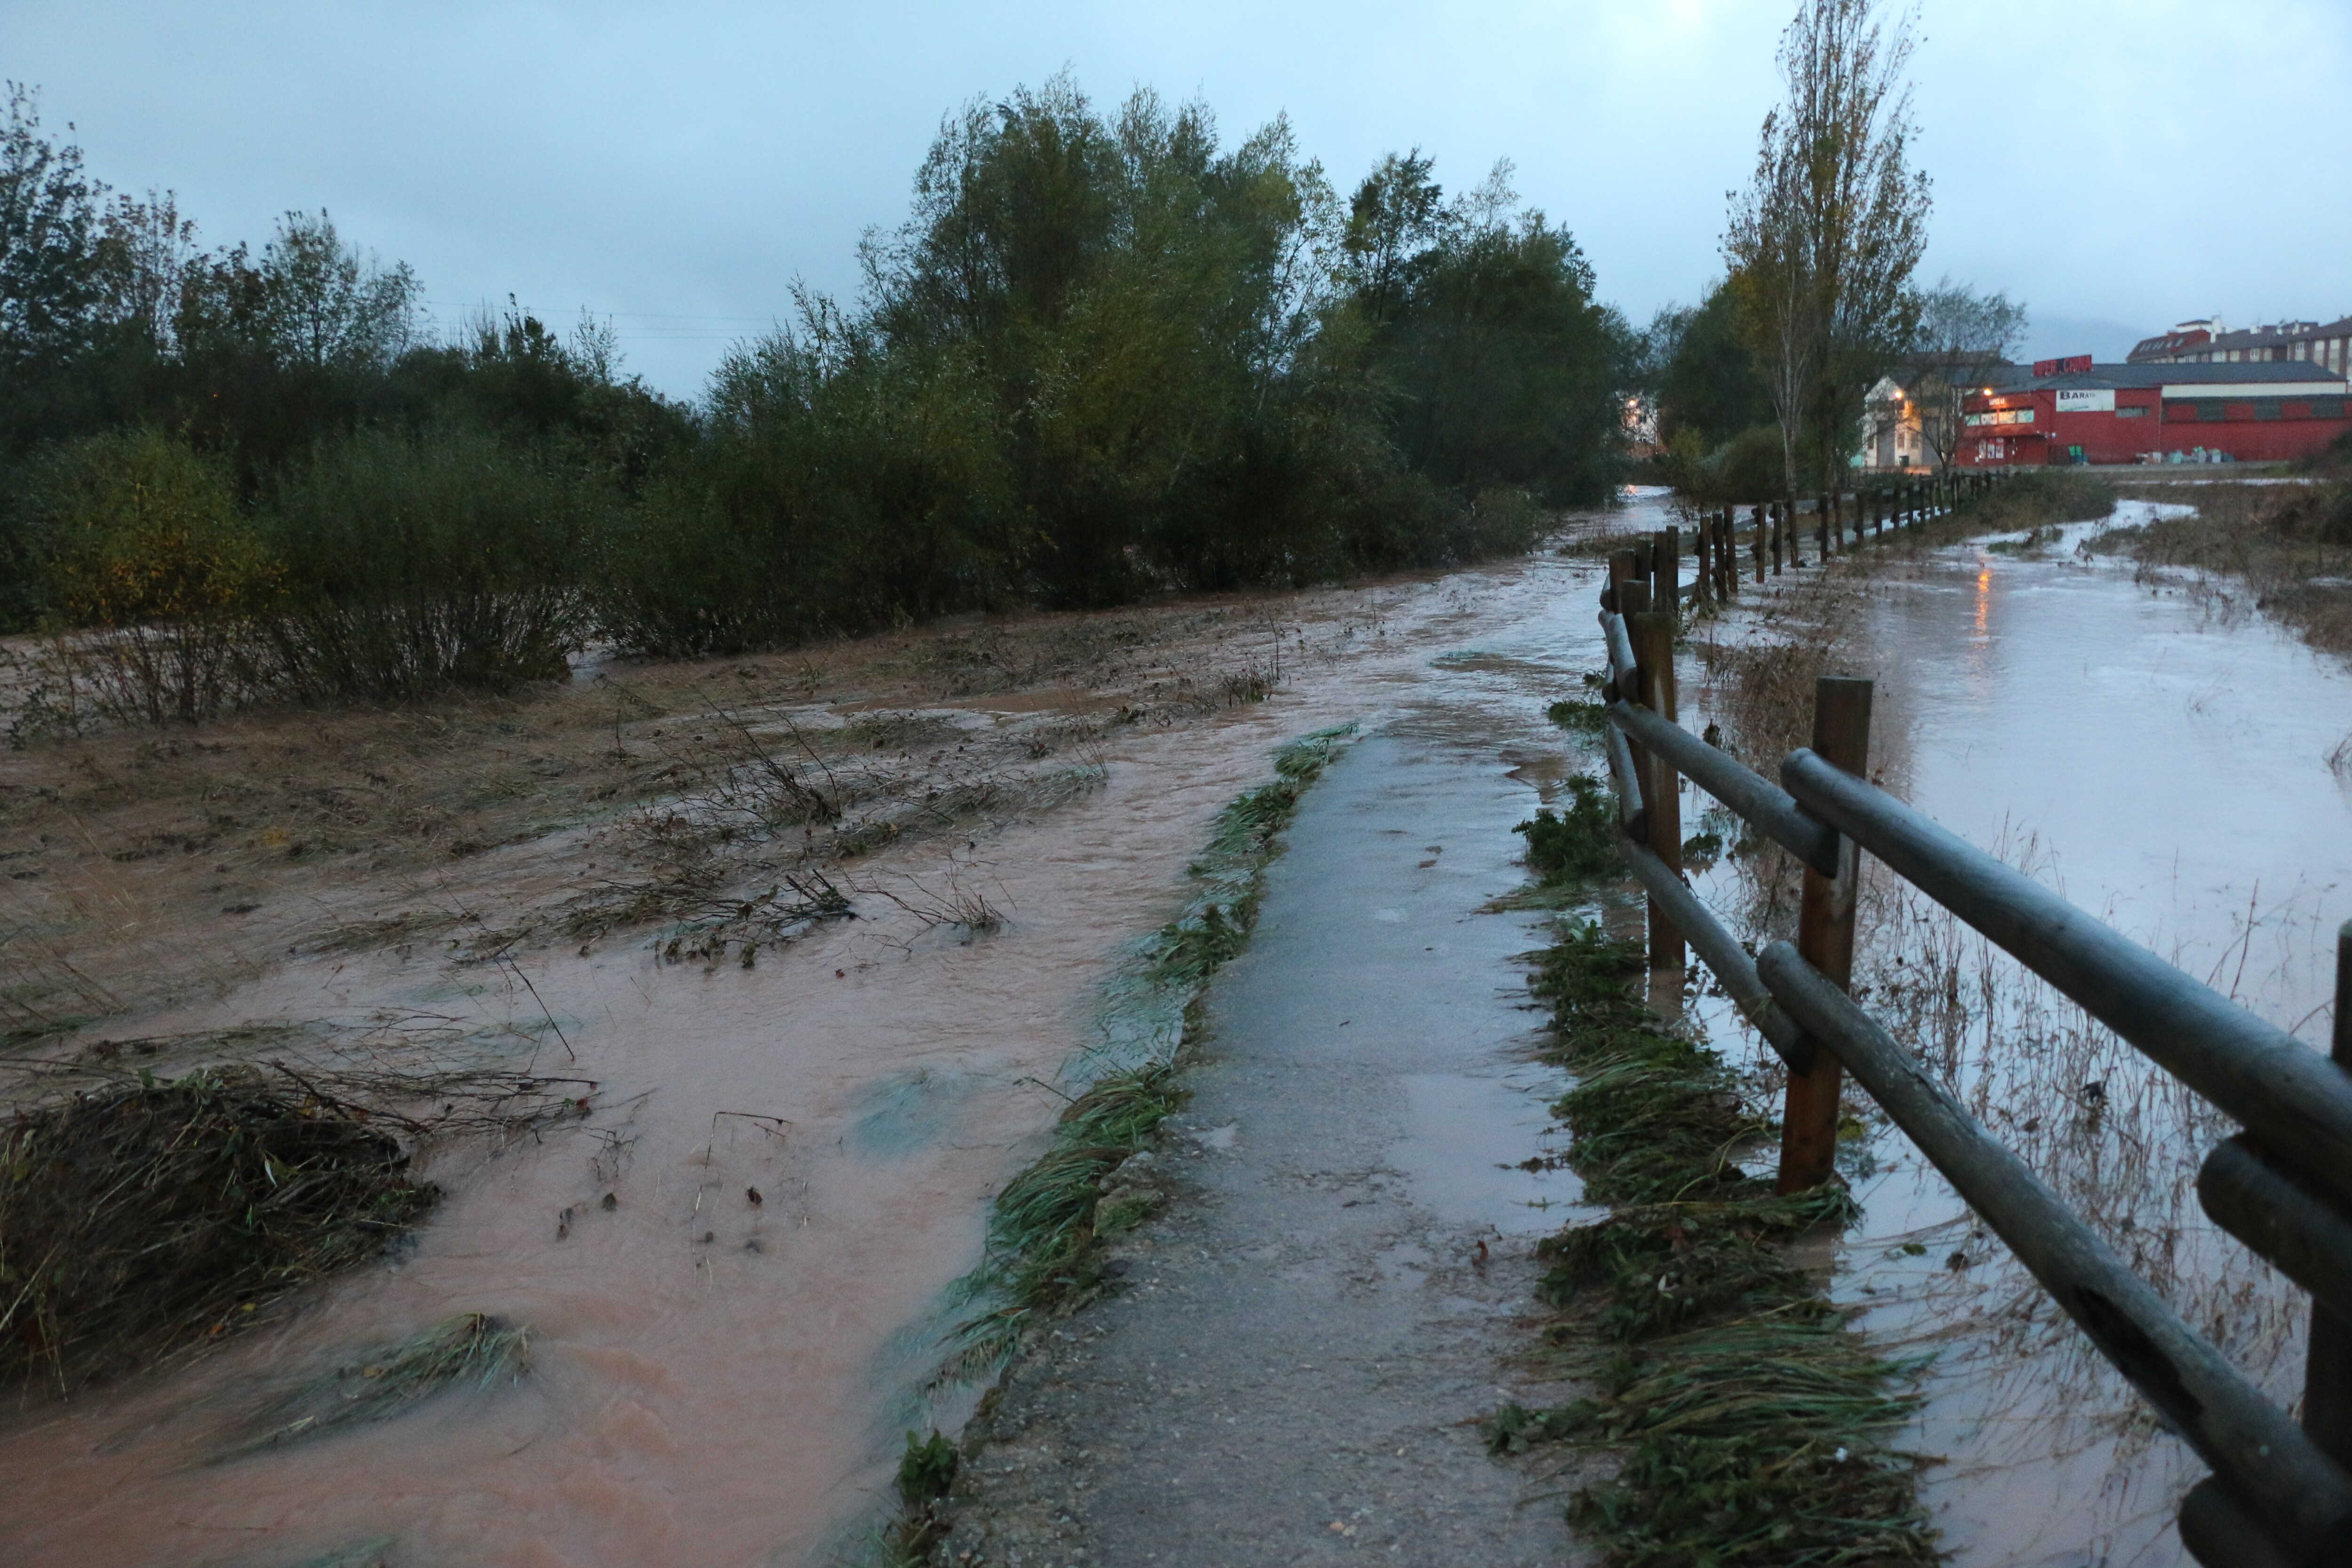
(2279, 1494)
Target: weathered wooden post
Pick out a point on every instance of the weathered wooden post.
(1824, 526)
(1727, 555)
(2327, 1372)
(1756, 515)
(1653, 636)
(1703, 561)
(1666, 571)
(1621, 571)
(1809, 1120)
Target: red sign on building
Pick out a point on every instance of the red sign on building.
(2072, 364)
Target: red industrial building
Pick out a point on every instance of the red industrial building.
(2072, 411)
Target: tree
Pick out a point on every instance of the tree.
(52, 287)
(1963, 337)
(1825, 238)
(1500, 370)
(1701, 373)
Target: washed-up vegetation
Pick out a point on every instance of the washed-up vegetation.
(142, 1215)
(1106, 354)
(2285, 548)
(472, 1348)
(1752, 1425)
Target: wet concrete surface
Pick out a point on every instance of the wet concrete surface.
(1306, 1337)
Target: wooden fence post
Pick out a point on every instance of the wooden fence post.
(1809, 1120)
(1653, 637)
(1756, 515)
(1666, 569)
(1621, 571)
(2327, 1373)
(1727, 554)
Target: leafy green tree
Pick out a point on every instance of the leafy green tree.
(1704, 377)
(1500, 368)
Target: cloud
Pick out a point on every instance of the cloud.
(680, 165)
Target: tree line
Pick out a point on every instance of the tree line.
(1105, 354)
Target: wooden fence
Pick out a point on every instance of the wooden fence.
(2279, 1493)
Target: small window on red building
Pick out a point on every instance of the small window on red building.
(2268, 408)
(2212, 412)
(2328, 408)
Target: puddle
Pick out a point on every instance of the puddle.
(1469, 1139)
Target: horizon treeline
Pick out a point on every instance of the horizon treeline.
(1105, 354)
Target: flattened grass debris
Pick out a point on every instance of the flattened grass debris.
(140, 1214)
(1755, 1427)
(472, 1348)
(149, 1213)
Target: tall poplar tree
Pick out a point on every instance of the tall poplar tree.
(1825, 238)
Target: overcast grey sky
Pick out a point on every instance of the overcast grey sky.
(2116, 164)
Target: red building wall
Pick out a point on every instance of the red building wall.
(2143, 422)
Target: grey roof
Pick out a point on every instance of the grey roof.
(2021, 378)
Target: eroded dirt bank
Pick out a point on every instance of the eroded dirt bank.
(734, 1269)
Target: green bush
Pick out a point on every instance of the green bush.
(149, 578)
(1580, 842)
(418, 564)
(1743, 471)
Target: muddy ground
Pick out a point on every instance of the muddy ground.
(737, 1264)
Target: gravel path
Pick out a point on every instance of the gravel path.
(1337, 1288)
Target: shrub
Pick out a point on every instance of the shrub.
(151, 578)
(1582, 842)
(415, 565)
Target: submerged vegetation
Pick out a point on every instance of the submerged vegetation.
(470, 1348)
(1755, 1427)
(1106, 354)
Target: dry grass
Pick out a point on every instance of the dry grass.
(2282, 549)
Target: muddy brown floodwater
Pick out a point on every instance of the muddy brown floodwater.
(717, 1379)
(2171, 771)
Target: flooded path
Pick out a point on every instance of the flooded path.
(735, 1276)
(1311, 1335)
